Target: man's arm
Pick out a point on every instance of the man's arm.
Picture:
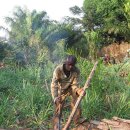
(54, 84)
(75, 85)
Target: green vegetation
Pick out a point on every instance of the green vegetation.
(26, 99)
(36, 44)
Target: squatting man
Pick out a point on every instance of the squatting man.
(66, 82)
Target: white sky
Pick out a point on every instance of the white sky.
(56, 9)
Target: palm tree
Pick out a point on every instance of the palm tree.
(26, 29)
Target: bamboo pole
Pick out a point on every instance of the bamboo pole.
(80, 97)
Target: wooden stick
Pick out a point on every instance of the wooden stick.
(80, 97)
(47, 86)
(59, 121)
(121, 120)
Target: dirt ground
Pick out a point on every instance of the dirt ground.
(116, 50)
(113, 124)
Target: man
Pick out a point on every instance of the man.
(106, 59)
(65, 82)
(127, 57)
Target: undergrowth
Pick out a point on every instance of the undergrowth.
(25, 97)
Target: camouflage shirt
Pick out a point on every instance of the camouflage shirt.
(61, 80)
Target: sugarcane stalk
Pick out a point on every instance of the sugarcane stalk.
(87, 84)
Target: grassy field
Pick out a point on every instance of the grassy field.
(25, 98)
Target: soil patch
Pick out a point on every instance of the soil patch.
(116, 50)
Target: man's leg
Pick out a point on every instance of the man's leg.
(57, 116)
(58, 112)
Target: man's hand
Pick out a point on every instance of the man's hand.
(57, 100)
(81, 92)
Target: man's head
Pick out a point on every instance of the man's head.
(106, 55)
(70, 62)
(128, 52)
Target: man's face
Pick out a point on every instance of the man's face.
(69, 66)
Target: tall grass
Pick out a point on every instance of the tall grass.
(25, 98)
(107, 96)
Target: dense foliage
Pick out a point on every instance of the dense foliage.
(36, 44)
(109, 18)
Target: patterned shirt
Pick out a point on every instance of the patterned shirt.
(60, 80)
